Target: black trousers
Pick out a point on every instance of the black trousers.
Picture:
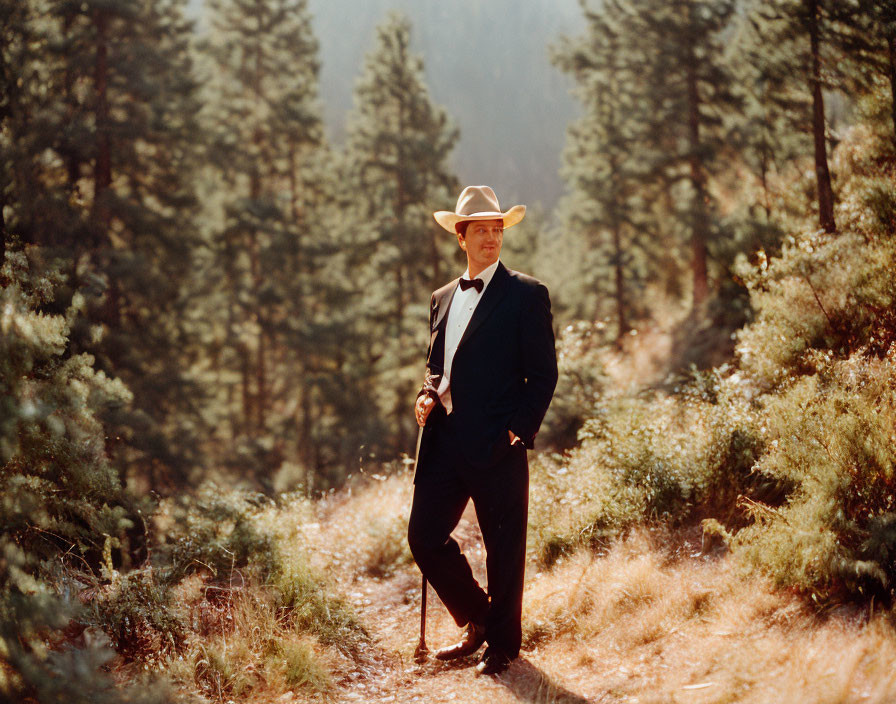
(500, 496)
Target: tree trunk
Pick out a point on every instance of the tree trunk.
(70, 153)
(401, 403)
(401, 205)
(261, 378)
(2, 238)
(616, 196)
(257, 419)
(822, 174)
(231, 279)
(700, 227)
(304, 389)
(246, 369)
(304, 438)
(102, 175)
(763, 167)
(891, 45)
(437, 233)
(622, 321)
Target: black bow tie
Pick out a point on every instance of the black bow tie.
(478, 284)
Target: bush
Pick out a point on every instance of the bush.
(302, 669)
(833, 293)
(825, 293)
(137, 614)
(822, 349)
(658, 458)
(217, 531)
(63, 504)
(831, 437)
(386, 546)
(306, 603)
(303, 597)
(60, 492)
(242, 538)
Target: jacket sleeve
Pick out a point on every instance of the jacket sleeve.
(539, 362)
(433, 373)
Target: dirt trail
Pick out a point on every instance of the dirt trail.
(653, 619)
(390, 611)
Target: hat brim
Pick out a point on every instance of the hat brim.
(511, 217)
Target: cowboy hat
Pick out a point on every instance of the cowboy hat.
(478, 203)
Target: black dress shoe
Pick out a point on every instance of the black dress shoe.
(473, 638)
(492, 662)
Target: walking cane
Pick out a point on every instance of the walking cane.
(421, 652)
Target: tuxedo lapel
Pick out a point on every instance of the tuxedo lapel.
(495, 291)
(442, 304)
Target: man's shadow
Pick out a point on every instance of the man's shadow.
(524, 680)
(529, 684)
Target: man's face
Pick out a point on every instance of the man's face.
(482, 243)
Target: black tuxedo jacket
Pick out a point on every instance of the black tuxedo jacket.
(504, 370)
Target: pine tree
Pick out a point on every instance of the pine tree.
(690, 90)
(656, 87)
(883, 17)
(800, 67)
(63, 505)
(103, 137)
(865, 31)
(605, 168)
(273, 290)
(13, 50)
(397, 148)
(767, 148)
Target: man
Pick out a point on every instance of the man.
(491, 370)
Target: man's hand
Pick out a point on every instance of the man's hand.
(514, 440)
(422, 409)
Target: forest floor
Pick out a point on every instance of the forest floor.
(653, 619)
(656, 618)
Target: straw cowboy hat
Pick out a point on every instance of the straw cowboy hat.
(478, 203)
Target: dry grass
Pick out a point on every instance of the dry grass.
(243, 650)
(361, 531)
(287, 639)
(640, 625)
(651, 621)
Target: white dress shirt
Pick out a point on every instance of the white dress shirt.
(459, 314)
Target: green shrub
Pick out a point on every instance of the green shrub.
(825, 293)
(60, 494)
(658, 458)
(217, 531)
(230, 535)
(225, 669)
(38, 659)
(62, 504)
(831, 437)
(833, 293)
(822, 349)
(386, 547)
(136, 612)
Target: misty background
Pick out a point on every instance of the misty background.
(486, 63)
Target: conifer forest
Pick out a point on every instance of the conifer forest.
(214, 293)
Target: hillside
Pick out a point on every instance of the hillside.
(655, 617)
